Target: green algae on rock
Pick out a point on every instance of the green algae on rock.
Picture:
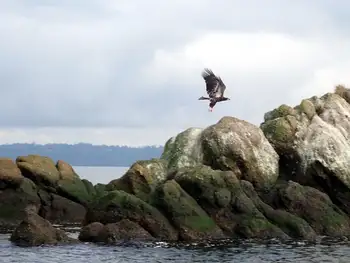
(141, 179)
(116, 205)
(192, 221)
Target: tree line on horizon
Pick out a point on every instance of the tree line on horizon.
(84, 154)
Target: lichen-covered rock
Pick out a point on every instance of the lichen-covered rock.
(314, 144)
(237, 145)
(35, 231)
(231, 144)
(184, 149)
(40, 169)
(113, 206)
(191, 220)
(141, 179)
(10, 174)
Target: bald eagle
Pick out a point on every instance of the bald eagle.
(215, 88)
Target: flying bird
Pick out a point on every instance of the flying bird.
(215, 88)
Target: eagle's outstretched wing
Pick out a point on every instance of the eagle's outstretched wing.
(214, 85)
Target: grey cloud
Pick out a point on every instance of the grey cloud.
(79, 63)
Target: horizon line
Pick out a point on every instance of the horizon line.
(80, 143)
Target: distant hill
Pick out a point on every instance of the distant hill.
(84, 154)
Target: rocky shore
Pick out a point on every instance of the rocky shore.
(287, 179)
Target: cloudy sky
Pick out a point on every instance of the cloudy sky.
(128, 72)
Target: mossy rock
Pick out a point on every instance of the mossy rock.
(314, 207)
(307, 107)
(40, 169)
(74, 190)
(13, 202)
(141, 179)
(208, 186)
(280, 132)
(89, 187)
(192, 221)
(113, 206)
(290, 224)
(100, 189)
(282, 111)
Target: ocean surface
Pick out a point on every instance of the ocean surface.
(225, 251)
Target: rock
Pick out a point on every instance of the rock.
(290, 224)
(313, 144)
(124, 230)
(141, 179)
(35, 231)
(70, 185)
(314, 207)
(13, 203)
(220, 194)
(191, 220)
(90, 232)
(234, 144)
(10, 175)
(116, 205)
(40, 169)
(184, 150)
(60, 210)
(100, 189)
(230, 144)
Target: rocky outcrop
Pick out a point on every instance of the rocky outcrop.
(312, 140)
(231, 144)
(288, 178)
(35, 231)
(54, 191)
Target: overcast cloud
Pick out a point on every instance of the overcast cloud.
(128, 72)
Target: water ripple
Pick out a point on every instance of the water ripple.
(224, 251)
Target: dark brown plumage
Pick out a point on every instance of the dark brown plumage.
(215, 88)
